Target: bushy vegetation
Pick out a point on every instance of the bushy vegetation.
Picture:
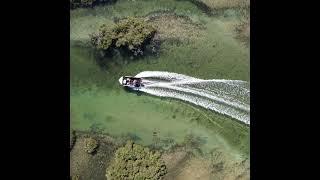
(136, 162)
(130, 34)
(90, 145)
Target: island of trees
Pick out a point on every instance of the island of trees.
(129, 36)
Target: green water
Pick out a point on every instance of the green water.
(98, 101)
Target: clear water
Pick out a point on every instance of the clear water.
(99, 102)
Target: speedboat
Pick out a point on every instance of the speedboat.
(131, 82)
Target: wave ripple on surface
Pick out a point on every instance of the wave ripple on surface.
(228, 97)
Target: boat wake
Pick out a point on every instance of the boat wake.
(228, 97)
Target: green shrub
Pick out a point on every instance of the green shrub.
(136, 162)
(90, 145)
(131, 34)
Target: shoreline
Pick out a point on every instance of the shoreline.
(182, 160)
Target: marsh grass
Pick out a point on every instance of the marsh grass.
(171, 26)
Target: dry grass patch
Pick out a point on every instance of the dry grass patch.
(186, 166)
(170, 26)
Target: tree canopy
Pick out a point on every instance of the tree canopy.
(90, 145)
(135, 162)
(130, 33)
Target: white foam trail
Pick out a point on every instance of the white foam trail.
(162, 75)
(229, 97)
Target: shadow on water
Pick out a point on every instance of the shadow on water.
(133, 136)
(97, 127)
(138, 93)
(119, 57)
